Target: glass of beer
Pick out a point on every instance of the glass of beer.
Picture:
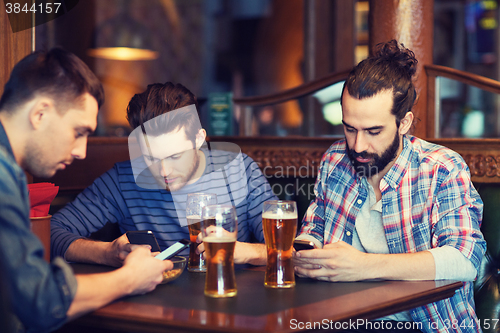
(195, 202)
(279, 221)
(219, 228)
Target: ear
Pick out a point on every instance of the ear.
(200, 138)
(39, 113)
(405, 123)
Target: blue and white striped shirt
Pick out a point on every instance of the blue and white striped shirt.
(115, 197)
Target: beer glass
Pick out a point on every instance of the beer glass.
(219, 228)
(195, 202)
(279, 221)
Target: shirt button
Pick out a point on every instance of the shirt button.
(348, 233)
(360, 201)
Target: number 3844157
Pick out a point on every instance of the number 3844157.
(485, 324)
(17, 8)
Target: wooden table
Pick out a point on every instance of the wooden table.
(180, 305)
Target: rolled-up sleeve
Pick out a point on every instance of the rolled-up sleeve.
(457, 216)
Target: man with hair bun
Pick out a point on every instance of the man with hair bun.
(392, 206)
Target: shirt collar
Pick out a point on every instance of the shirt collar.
(4, 140)
(396, 173)
(372, 200)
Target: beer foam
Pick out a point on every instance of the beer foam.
(215, 239)
(279, 215)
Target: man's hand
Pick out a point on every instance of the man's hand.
(145, 271)
(244, 253)
(104, 253)
(140, 274)
(341, 262)
(335, 262)
(119, 250)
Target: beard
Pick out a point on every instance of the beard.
(378, 163)
(184, 179)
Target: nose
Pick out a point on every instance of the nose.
(165, 168)
(80, 149)
(360, 145)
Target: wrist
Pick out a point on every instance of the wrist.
(108, 253)
(126, 275)
(371, 266)
(112, 254)
(256, 254)
(86, 251)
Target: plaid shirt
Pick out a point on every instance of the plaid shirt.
(428, 200)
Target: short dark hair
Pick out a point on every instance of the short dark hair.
(390, 68)
(56, 73)
(159, 99)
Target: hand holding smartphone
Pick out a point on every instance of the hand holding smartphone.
(300, 244)
(173, 250)
(142, 237)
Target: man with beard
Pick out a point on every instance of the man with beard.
(170, 160)
(389, 205)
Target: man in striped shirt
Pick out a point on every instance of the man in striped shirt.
(391, 206)
(169, 160)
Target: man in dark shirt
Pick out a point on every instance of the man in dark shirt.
(48, 108)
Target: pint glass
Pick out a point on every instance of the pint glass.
(279, 221)
(195, 202)
(219, 227)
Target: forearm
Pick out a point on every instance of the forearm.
(89, 251)
(404, 266)
(140, 274)
(97, 290)
(250, 253)
(341, 262)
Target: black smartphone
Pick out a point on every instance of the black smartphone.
(174, 249)
(142, 237)
(300, 244)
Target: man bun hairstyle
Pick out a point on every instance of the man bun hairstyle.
(392, 67)
(57, 73)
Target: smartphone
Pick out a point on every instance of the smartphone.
(174, 249)
(142, 237)
(300, 244)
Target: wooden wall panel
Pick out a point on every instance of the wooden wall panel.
(297, 157)
(13, 46)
